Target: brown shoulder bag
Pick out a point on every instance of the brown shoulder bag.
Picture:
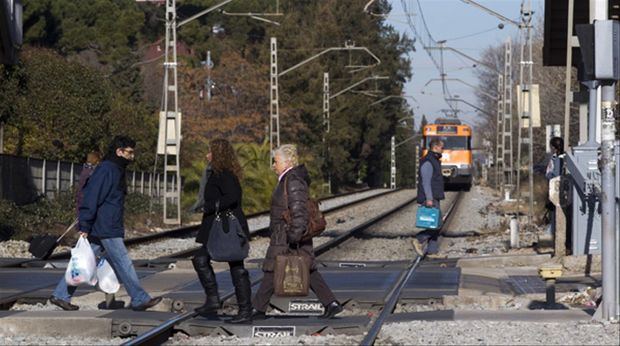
(316, 220)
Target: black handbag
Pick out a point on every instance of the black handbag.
(227, 241)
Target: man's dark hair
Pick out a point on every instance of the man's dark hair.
(434, 142)
(120, 142)
(557, 143)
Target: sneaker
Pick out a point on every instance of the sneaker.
(331, 310)
(436, 256)
(418, 247)
(149, 304)
(63, 304)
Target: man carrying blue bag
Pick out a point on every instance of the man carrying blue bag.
(430, 192)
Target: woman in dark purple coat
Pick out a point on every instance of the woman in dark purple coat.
(92, 160)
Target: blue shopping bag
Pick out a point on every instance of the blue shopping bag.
(429, 218)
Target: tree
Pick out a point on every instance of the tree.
(551, 81)
(62, 110)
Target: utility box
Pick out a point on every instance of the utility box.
(600, 49)
(586, 207)
(607, 50)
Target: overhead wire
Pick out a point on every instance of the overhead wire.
(472, 35)
(425, 37)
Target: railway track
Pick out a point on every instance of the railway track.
(162, 332)
(264, 229)
(188, 231)
(167, 259)
(395, 291)
(165, 330)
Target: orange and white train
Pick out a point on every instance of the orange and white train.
(457, 158)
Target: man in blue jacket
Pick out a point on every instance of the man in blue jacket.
(430, 192)
(101, 220)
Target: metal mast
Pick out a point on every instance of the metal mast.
(499, 149)
(326, 103)
(507, 149)
(326, 127)
(525, 83)
(171, 122)
(274, 108)
(393, 163)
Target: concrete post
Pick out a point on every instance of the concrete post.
(559, 236)
(560, 232)
(608, 202)
(57, 178)
(1, 137)
(44, 177)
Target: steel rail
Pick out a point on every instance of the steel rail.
(394, 294)
(188, 230)
(255, 232)
(154, 335)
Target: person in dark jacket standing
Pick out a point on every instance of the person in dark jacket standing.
(222, 193)
(430, 192)
(101, 220)
(553, 170)
(284, 236)
(92, 160)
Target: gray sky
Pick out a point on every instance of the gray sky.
(454, 20)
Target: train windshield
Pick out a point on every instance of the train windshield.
(451, 142)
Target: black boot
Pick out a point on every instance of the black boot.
(332, 309)
(243, 291)
(206, 276)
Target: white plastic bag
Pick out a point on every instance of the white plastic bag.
(82, 265)
(106, 278)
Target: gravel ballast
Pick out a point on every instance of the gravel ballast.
(479, 227)
(499, 333)
(19, 249)
(61, 340)
(297, 340)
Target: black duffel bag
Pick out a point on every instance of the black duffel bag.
(227, 241)
(42, 246)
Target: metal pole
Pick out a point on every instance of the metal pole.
(608, 202)
(326, 127)
(171, 115)
(507, 111)
(569, 63)
(393, 163)
(274, 108)
(617, 233)
(416, 164)
(499, 149)
(527, 14)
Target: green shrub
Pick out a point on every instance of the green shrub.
(43, 216)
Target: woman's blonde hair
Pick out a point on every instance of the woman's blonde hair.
(288, 153)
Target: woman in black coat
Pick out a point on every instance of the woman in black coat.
(222, 186)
